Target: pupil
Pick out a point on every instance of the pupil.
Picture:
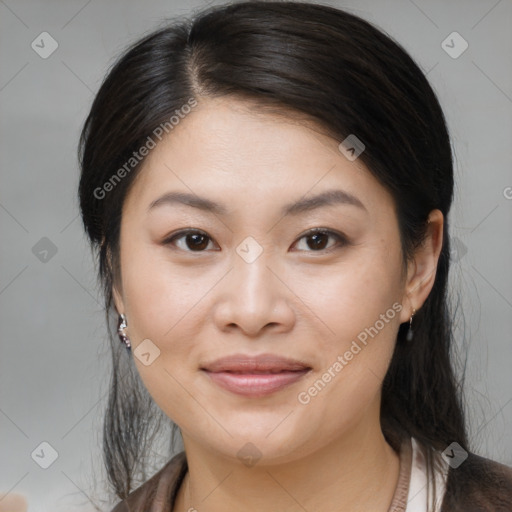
(198, 241)
(197, 237)
(318, 243)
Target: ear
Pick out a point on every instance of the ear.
(116, 286)
(118, 301)
(421, 273)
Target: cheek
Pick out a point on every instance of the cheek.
(342, 305)
(350, 297)
(157, 294)
(355, 363)
(160, 308)
(359, 314)
(164, 305)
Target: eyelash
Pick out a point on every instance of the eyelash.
(338, 236)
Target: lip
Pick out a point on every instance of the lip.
(255, 376)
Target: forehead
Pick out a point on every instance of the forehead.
(226, 148)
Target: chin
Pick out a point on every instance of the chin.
(263, 445)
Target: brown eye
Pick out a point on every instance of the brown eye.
(318, 239)
(193, 240)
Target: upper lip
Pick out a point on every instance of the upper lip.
(260, 363)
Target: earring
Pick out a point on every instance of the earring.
(120, 330)
(410, 332)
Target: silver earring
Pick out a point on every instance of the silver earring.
(410, 332)
(120, 330)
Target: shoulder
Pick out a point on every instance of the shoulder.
(478, 485)
(158, 491)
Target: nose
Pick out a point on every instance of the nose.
(254, 297)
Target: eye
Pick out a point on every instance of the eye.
(318, 238)
(194, 240)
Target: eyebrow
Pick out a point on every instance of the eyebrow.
(327, 198)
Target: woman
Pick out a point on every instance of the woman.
(268, 188)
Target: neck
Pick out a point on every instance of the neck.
(356, 473)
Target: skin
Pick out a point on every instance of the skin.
(294, 300)
(10, 502)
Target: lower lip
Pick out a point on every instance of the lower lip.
(255, 384)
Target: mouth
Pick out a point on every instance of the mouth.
(255, 376)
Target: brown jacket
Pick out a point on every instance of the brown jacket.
(477, 485)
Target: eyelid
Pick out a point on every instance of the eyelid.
(183, 232)
(340, 237)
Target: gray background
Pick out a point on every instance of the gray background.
(54, 358)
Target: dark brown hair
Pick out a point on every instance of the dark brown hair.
(316, 61)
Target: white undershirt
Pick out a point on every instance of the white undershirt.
(417, 496)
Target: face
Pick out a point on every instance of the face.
(253, 278)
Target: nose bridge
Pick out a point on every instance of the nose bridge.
(255, 297)
(251, 271)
